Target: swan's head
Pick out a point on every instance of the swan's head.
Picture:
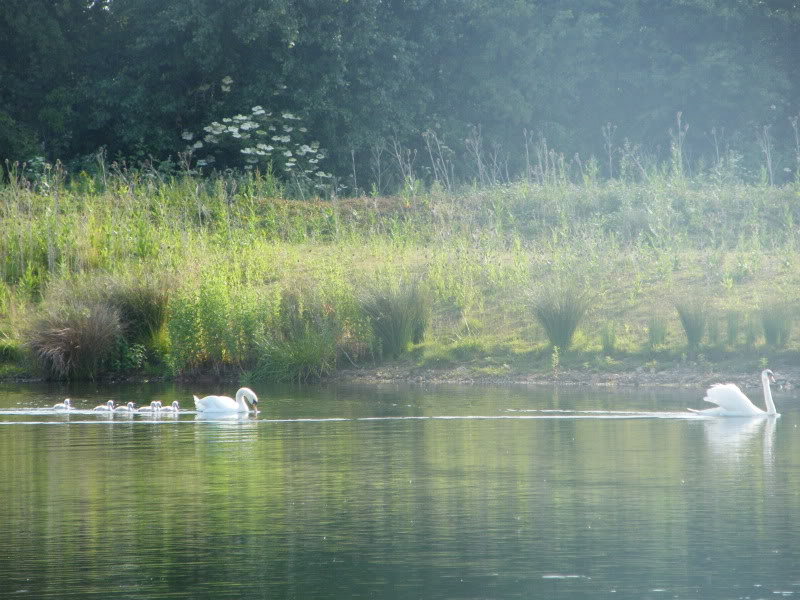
(768, 375)
(68, 403)
(250, 395)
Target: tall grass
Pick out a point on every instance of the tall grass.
(693, 317)
(559, 309)
(399, 315)
(776, 319)
(198, 270)
(75, 340)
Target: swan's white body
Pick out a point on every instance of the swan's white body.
(171, 409)
(65, 405)
(107, 407)
(128, 408)
(731, 402)
(153, 408)
(224, 404)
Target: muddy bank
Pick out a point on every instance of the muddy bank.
(688, 377)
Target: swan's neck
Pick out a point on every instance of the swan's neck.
(240, 401)
(768, 396)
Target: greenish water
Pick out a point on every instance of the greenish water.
(398, 492)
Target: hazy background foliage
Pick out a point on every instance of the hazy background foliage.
(483, 76)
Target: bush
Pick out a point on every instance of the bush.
(76, 339)
(398, 316)
(693, 318)
(560, 310)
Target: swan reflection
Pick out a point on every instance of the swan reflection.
(737, 438)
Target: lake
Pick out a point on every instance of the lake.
(398, 492)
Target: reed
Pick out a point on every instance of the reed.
(559, 310)
(776, 319)
(76, 340)
(693, 317)
(398, 315)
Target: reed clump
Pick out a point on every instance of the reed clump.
(75, 340)
(398, 314)
(776, 319)
(693, 317)
(559, 309)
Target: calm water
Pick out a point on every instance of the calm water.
(392, 492)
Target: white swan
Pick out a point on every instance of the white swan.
(65, 405)
(107, 407)
(731, 402)
(129, 408)
(153, 408)
(224, 404)
(171, 409)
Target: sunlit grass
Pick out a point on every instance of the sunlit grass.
(200, 274)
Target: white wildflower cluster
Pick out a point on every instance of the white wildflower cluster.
(259, 138)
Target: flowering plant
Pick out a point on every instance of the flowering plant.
(275, 140)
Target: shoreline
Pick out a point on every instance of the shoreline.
(690, 376)
(680, 377)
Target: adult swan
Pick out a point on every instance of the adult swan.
(223, 404)
(731, 402)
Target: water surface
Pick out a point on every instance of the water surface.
(398, 492)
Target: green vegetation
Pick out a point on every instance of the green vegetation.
(134, 275)
(559, 310)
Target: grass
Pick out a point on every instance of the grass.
(776, 319)
(76, 339)
(209, 282)
(694, 318)
(559, 310)
(398, 313)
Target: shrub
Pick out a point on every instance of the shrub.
(560, 310)
(693, 318)
(776, 319)
(398, 316)
(76, 339)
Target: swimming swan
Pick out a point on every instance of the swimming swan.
(731, 402)
(129, 408)
(153, 408)
(170, 409)
(65, 405)
(228, 405)
(107, 407)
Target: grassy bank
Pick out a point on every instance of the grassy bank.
(136, 275)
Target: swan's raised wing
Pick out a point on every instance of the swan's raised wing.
(729, 397)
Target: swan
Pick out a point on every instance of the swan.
(226, 404)
(731, 402)
(171, 409)
(107, 407)
(65, 405)
(129, 408)
(153, 408)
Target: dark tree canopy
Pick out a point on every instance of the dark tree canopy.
(77, 75)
